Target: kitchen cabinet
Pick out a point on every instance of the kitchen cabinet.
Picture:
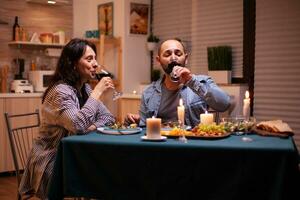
(15, 105)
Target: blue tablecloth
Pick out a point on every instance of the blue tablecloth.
(125, 167)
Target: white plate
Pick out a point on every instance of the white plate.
(162, 138)
(126, 131)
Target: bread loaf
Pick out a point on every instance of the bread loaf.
(274, 126)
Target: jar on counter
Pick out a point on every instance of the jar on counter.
(46, 37)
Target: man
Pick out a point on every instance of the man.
(161, 98)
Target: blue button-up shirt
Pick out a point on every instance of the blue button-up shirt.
(197, 94)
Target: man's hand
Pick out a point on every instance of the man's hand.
(184, 74)
(131, 119)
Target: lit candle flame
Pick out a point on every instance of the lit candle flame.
(180, 102)
(247, 94)
(206, 112)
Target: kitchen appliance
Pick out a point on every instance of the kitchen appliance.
(21, 86)
(40, 79)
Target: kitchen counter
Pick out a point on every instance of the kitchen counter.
(20, 95)
(131, 96)
(40, 94)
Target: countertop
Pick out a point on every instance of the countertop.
(39, 94)
(131, 96)
(20, 95)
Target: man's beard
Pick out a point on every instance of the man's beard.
(169, 68)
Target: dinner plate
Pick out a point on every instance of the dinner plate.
(162, 138)
(210, 137)
(127, 131)
(166, 128)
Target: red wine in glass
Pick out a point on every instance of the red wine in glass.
(174, 77)
(103, 73)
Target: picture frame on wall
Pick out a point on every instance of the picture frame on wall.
(105, 19)
(139, 18)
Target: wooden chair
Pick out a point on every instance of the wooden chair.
(21, 129)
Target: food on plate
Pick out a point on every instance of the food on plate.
(176, 132)
(202, 130)
(119, 125)
(133, 126)
(274, 126)
(209, 130)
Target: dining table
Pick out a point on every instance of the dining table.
(124, 166)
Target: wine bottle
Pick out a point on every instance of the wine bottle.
(16, 28)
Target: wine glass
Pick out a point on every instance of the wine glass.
(174, 77)
(182, 137)
(103, 73)
(249, 123)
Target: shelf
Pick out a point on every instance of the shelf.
(32, 44)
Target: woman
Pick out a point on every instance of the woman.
(69, 107)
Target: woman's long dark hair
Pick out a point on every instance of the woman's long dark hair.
(70, 55)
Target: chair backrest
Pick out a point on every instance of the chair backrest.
(21, 129)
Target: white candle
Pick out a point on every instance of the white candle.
(246, 106)
(206, 118)
(153, 128)
(180, 112)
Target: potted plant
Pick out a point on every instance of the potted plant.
(220, 63)
(152, 41)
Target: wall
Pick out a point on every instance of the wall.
(135, 58)
(33, 18)
(277, 63)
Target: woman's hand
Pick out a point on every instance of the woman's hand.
(92, 128)
(101, 87)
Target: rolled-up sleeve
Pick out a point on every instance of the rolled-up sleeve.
(213, 95)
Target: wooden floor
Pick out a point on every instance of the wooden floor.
(8, 187)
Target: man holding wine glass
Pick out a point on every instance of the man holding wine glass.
(161, 98)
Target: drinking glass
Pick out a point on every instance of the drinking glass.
(103, 73)
(174, 77)
(182, 137)
(249, 123)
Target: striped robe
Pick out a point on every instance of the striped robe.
(61, 117)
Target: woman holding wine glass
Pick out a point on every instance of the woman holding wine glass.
(103, 73)
(69, 107)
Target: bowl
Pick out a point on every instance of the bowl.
(238, 125)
